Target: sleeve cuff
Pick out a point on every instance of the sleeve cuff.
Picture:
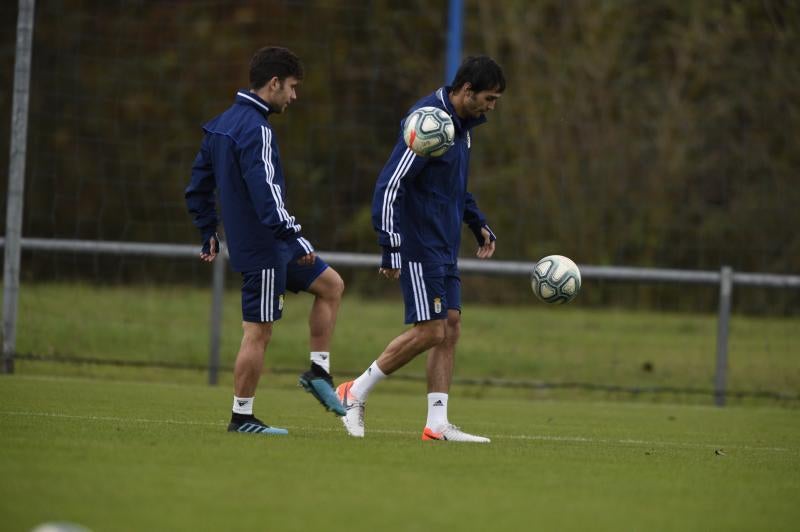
(207, 232)
(207, 242)
(300, 247)
(391, 258)
(476, 230)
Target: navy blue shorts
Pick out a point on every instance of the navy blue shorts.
(429, 290)
(263, 290)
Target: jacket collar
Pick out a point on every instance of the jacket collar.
(252, 99)
(442, 94)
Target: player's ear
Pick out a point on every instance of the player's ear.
(274, 83)
(468, 90)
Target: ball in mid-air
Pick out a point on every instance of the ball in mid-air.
(429, 131)
(556, 279)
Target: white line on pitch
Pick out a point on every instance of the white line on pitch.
(566, 439)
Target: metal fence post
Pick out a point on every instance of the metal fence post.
(16, 179)
(455, 38)
(723, 323)
(215, 325)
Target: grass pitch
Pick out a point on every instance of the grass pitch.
(153, 456)
(528, 342)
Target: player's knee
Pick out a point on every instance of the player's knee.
(337, 285)
(258, 334)
(328, 286)
(432, 333)
(438, 335)
(453, 327)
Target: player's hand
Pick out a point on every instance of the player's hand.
(390, 273)
(487, 249)
(210, 249)
(307, 260)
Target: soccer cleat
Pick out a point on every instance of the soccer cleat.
(319, 383)
(353, 419)
(452, 433)
(253, 425)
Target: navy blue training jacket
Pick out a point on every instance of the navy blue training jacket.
(239, 159)
(420, 202)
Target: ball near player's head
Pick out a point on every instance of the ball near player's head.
(478, 84)
(275, 74)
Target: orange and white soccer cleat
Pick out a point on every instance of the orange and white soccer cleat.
(353, 419)
(450, 432)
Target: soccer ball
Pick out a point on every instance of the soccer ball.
(556, 279)
(429, 131)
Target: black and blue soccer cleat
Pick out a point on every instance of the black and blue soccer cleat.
(319, 383)
(253, 425)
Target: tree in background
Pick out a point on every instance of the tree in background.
(657, 133)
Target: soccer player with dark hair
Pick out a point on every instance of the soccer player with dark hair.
(419, 206)
(238, 163)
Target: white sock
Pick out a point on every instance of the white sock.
(322, 359)
(243, 405)
(368, 379)
(437, 411)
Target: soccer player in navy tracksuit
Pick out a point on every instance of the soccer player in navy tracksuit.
(239, 159)
(418, 208)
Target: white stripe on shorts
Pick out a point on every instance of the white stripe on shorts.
(263, 272)
(272, 294)
(267, 294)
(413, 278)
(420, 293)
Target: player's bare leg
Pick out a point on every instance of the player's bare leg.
(440, 364)
(398, 353)
(246, 374)
(327, 290)
(250, 359)
(404, 348)
(441, 359)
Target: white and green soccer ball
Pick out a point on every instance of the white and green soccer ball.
(556, 279)
(429, 132)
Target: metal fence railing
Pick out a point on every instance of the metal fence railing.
(726, 279)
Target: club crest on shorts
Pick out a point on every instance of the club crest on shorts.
(437, 305)
(280, 302)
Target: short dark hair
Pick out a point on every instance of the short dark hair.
(482, 73)
(272, 61)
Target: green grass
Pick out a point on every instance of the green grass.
(531, 342)
(154, 456)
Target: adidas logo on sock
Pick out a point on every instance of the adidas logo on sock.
(242, 403)
(438, 403)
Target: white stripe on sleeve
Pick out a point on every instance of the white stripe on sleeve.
(269, 173)
(390, 196)
(306, 245)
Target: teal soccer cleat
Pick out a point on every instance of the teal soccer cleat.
(319, 383)
(253, 425)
